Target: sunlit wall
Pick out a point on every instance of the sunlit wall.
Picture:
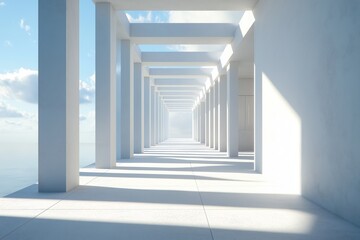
(180, 125)
(307, 56)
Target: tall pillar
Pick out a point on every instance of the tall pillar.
(138, 109)
(156, 117)
(215, 114)
(125, 113)
(207, 142)
(196, 123)
(106, 51)
(211, 116)
(199, 121)
(222, 113)
(232, 109)
(153, 116)
(159, 120)
(58, 95)
(147, 114)
(202, 122)
(193, 125)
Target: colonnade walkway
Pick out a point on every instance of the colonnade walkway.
(178, 189)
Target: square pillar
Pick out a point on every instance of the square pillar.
(202, 122)
(125, 101)
(138, 109)
(153, 116)
(199, 121)
(58, 95)
(215, 114)
(147, 112)
(211, 117)
(105, 86)
(207, 139)
(232, 109)
(156, 113)
(222, 113)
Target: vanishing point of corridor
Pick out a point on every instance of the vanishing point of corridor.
(176, 190)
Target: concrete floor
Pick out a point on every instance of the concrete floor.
(177, 190)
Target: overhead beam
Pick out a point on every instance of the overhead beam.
(180, 58)
(180, 72)
(180, 81)
(183, 5)
(182, 33)
(178, 88)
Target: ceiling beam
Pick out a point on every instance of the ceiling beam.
(182, 33)
(183, 5)
(180, 58)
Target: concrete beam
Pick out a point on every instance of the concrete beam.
(182, 33)
(180, 58)
(184, 5)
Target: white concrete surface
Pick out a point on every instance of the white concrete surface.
(314, 103)
(232, 109)
(138, 109)
(106, 87)
(211, 117)
(125, 113)
(147, 112)
(58, 96)
(185, 5)
(222, 113)
(153, 116)
(176, 190)
(215, 114)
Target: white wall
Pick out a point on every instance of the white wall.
(246, 114)
(180, 124)
(307, 56)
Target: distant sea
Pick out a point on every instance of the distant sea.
(19, 164)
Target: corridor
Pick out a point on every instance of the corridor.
(178, 189)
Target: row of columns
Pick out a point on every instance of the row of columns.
(130, 113)
(215, 116)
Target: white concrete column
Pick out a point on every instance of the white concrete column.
(232, 109)
(193, 125)
(147, 112)
(159, 119)
(156, 118)
(222, 113)
(153, 116)
(211, 117)
(207, 139)
(58, 95)
(199, 121)
(196, 123)
(138, 109)
(202, 122)
(106, 51)
(125, 113)
(215, 114)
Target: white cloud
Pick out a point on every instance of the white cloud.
(87, 90)
(22, 84)
(25, 26)
(8, 112)
(2, 4)
(148, 17)
(140, 18)
(8, 43)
